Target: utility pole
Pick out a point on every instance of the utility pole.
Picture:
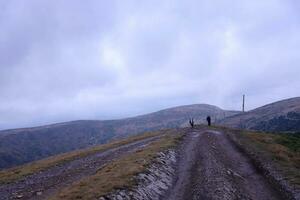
(243, 103)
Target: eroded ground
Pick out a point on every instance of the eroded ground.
(45, 183)
(204, 165)
(210, 167)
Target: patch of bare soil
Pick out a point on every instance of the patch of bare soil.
(211, 168)
(46, 183)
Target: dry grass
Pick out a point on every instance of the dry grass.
(284, 155)
(280, 149)
(16, 173)
(118, 174)
(270, 142)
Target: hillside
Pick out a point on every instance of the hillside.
(282, 116)
(19, 146)
(173, 164)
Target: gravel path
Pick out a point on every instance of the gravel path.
(211, 168)
(46, 183)
(207, 166)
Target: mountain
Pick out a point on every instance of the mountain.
(159, 165)
(281, 116)
(18, 146)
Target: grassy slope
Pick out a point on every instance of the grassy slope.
(281, 151)
(16, 173)
(118, 174)
(284, 150)
(20, 146)
(281, 116)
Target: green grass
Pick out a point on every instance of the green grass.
(17, 173)
(291, 141)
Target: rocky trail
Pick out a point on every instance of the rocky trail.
(47, 182)
(210, 167)
(205, 165)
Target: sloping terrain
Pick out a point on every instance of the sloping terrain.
(279, 117)
(177, 164)
(19, 146)
(208, 164)
(210, 167)
(277, 156)
(39, 182)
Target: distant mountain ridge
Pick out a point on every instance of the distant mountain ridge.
(281, 116)
(18, 146)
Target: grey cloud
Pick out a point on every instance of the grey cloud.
(67, 60)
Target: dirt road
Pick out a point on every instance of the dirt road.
(211, 168)
(45, 183)
(208, 167)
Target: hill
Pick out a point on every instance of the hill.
(164, 165)
(19, 146)
(282, 116)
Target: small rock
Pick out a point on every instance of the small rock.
(119, 197)
(19, 196)
(39, 193)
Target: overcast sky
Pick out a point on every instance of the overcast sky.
(64, 60)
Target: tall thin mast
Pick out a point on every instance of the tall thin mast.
(243, 103)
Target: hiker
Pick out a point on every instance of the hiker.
(192, 122)
(208, 119)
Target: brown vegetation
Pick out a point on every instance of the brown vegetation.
(277, 156)
(16, 173)
(118, 174)
(285, 155)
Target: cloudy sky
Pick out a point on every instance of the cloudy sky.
(63, 60)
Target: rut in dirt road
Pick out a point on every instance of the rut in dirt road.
(211, 168)
(47, 182)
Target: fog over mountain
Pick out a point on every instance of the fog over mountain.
(98, 59)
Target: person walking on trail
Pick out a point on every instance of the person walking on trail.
(208, 119)
(191, 121)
